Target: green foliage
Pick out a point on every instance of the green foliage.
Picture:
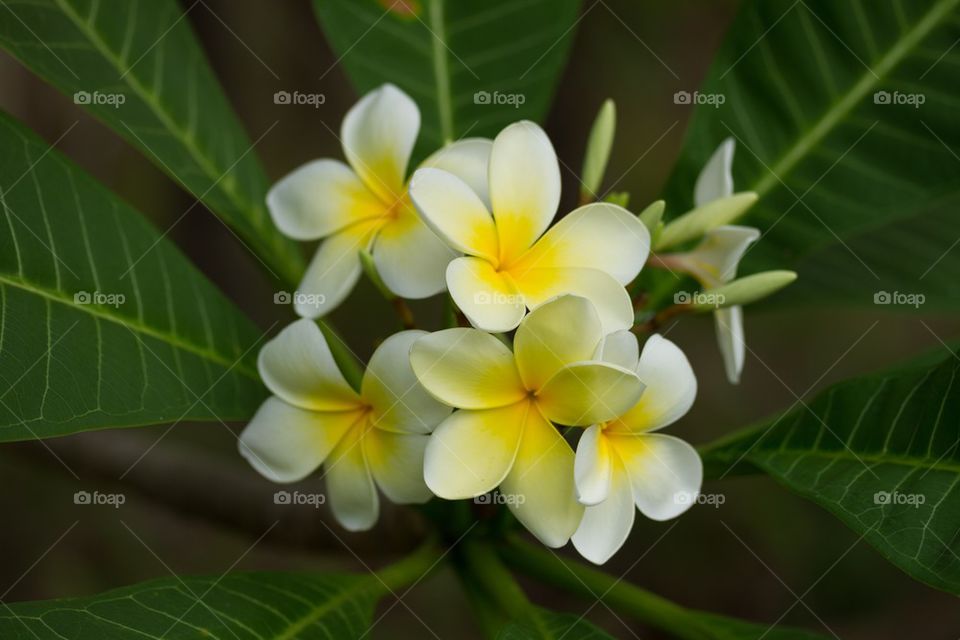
(547, 625)
(456, 59)
(136, 66)
(103, 322)
(857, 189)
(883, 454)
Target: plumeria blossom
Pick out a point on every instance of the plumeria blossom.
(714, 260)
(374, 438)
(364, 205)
(503, 433)
(511, 265)
(623, 462)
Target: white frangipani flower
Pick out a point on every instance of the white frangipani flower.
(364, 205)
(622, 462)
(511, 264)
(374, 438)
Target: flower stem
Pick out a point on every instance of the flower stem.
(410, 569)
(403, 312)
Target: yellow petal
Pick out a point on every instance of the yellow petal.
(593, 467)
(353, 496)
(665, 473)
(469, 160)
(487, 297)
(471, 451)
(606, 526)
(457, 214)
(396, 462)
(586, 393)
(608, 296)
(467, 369)
(540, 486)
(411, 259)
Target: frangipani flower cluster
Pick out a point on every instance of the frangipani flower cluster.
(546, 396)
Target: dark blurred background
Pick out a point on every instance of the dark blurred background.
(765, 554)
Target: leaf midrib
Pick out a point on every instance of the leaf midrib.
(298, 625)
(133, 325)
(867, 82)
(441, 69)
(930, 464)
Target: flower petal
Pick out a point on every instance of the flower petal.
(621, 348)
(378, 135)
(714, 260)
(487, 297)
(451, 208)
(286, 444)
(671, 387)
(319, 198)
(353, 496)
(592, 466)
(467, 368)
(471, 451)
(399, 401)
(607, 295)
(469, 160)
(600, 236)
(716, 178)
(334, 270)
(729, 324)
(396, 462)
(557, 333)
(410, 258)
(606, 526)
(298, 367)
(540, 485)
(586, 393)
(665, 473)
(524, 186)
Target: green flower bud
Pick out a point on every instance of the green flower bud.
(696, 222)
(744, 290)
(598, 150)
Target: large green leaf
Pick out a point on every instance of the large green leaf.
(858, 190)
(443, 53)
(241, 606)
(883, 454)
(103, 323)
(172, 106)
(542, 624)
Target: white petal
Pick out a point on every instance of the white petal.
(487, 297)
(378, 135)
(469, 160)
(592, 467)
(467, 368)
(596, 236)
(334, 270)
(390, 387)
(451, 208)
(524, 186)
(716, 177)
(714, 260)
(555, 334)
(730, 338)
(540, 489)
(410, 258)
(471, 451)
(671, 388)
(608, 296)
(665, 473)
(319, 198)
(298, 367)
(396, 462)
(621, 348)
(353, 496)
(286, 444)
(586, 393)
(606, 526)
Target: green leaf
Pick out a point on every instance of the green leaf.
(547, 625)
(472, 66)
(883, 454)
(103, 323)
(143, 53)
(857, 193)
